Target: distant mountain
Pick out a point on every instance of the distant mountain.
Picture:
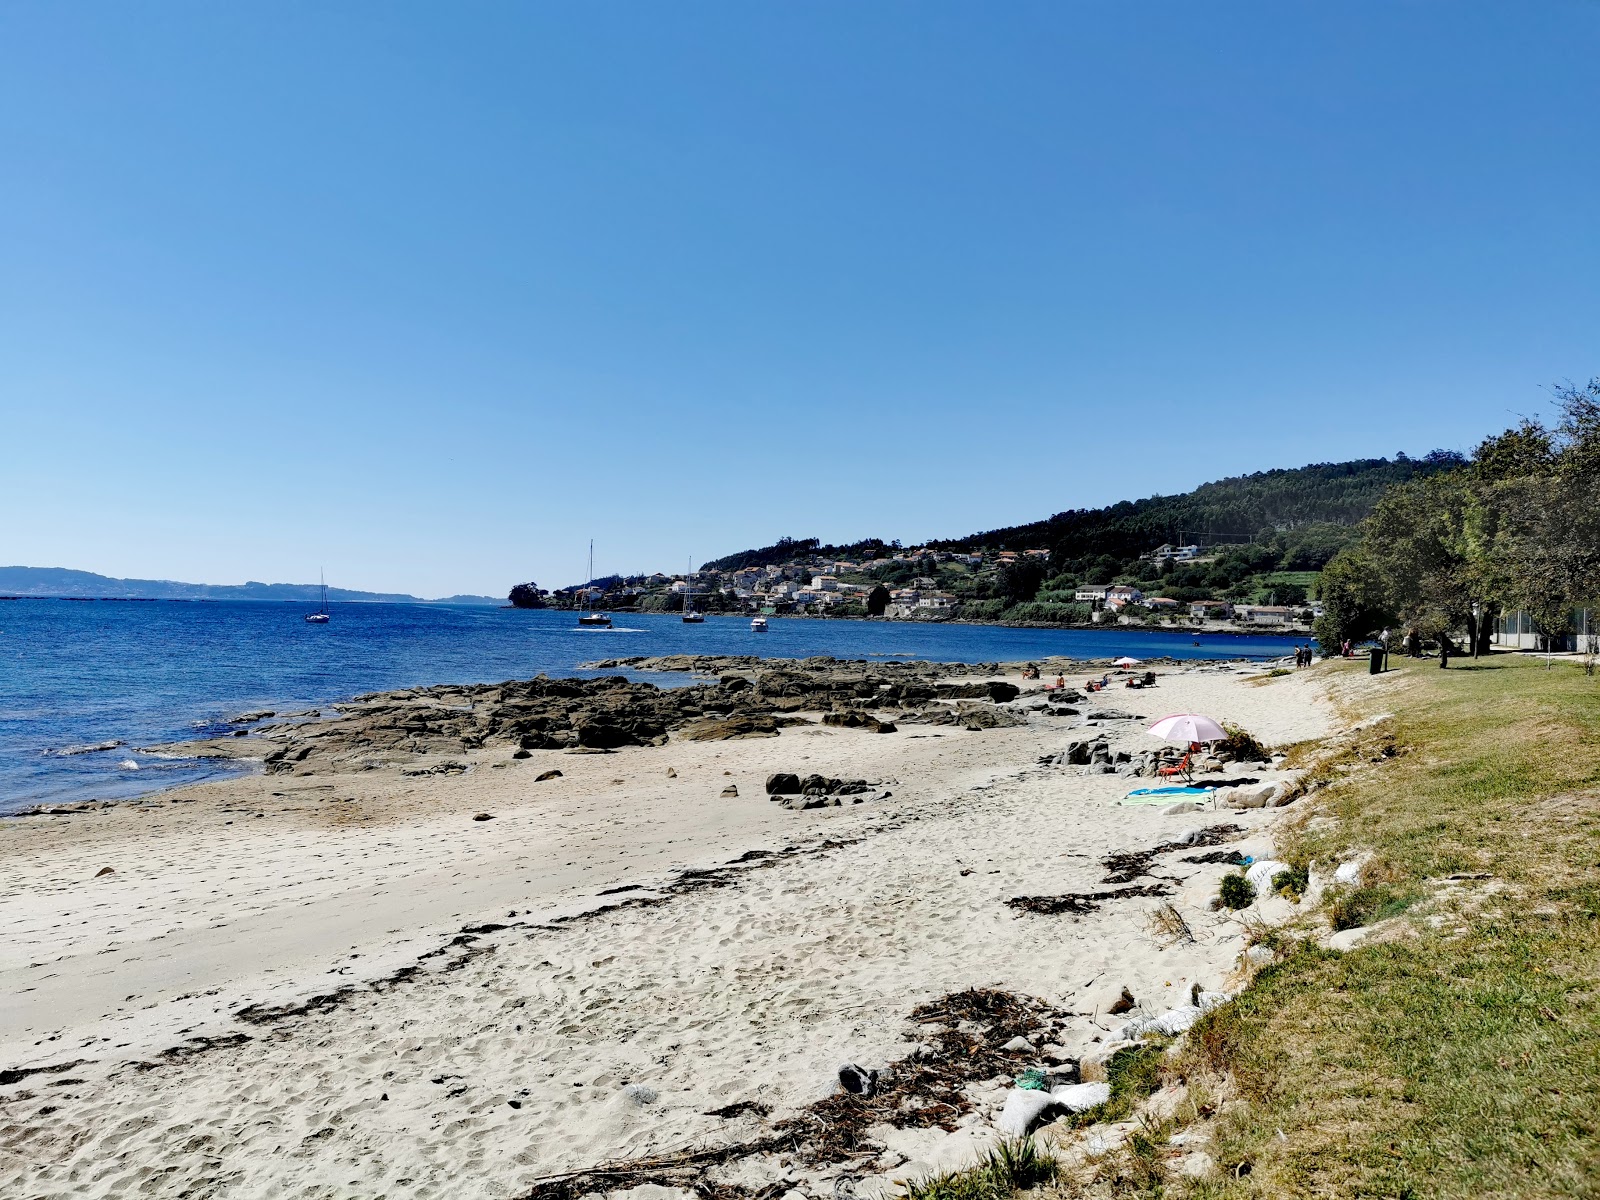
(59, 581)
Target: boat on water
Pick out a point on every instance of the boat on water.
(320, 617)
(588, 618)
(758, 624)
(691, 615)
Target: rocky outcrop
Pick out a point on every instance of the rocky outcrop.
(741, 697)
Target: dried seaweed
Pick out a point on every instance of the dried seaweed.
(1125, 866)
(738, 1109)
(1082, 903)
(926, 1090)
(686, 1170)
(1232, 857)
(963, 1039)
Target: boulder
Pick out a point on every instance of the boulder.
(783, 783)
(730, 791)
(729, 728)
(540, 778)
(600, 735)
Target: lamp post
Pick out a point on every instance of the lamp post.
(1477, 627)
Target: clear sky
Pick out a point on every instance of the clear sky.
(430, 294)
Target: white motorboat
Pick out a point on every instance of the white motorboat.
(758, 624)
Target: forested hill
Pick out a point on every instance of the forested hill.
(1240, 507)
(1330, 496)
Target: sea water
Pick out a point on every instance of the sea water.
(75, 673)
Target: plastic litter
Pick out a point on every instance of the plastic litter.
(1023, 1107)
(858, 1080)
(1260, 874)
(1078, 1097)
(1032, 1079)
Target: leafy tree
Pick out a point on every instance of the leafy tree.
(1354, 606)
(1020, 581)
(878, 601)
(526, 595)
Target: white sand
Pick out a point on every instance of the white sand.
(757, 990)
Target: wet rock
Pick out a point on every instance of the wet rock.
(67, 751)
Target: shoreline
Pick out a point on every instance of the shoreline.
(734, 949)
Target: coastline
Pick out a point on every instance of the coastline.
(745, 949)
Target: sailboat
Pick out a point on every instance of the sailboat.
(690, 615)
(590, 619)
(320, 617)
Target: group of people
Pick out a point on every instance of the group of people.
(1302, 656)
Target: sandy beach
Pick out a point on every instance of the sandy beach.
(347, 985)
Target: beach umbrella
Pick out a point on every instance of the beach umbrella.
(1187, 727)
(1125, 661)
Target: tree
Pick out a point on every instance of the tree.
(1353, 603)
(1020, 581)
(526, 595)
(877, 601)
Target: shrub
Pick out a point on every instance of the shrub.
(983, 610)
(1243, 744)
(1293, 882)
(1073, 614)
(1237, 892)
(1367, 906)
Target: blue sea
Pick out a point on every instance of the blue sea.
(144, 672)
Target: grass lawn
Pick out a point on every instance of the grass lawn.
(1461, 1057)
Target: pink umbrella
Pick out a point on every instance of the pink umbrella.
(1187, 727)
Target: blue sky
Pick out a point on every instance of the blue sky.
(432, 294)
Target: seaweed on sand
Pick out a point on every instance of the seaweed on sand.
(1082, 903)
(963, 1038)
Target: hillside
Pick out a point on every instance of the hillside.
(1325, 496)
(1227, 510)
(60, 581)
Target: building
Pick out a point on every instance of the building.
(1219, 610)
(1167, 552)
(1514, 630)
(824, 583)
(939, 600)
(1162, 604)
(1091, 594)
(1267, 614)
(1121, 593)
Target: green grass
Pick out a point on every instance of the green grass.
(1010, 1167)
(1461, 1058)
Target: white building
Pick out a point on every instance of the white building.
(1267, 614)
